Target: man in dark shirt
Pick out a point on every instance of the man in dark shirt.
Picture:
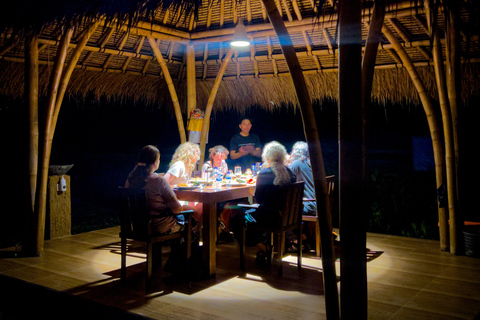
(245, 147)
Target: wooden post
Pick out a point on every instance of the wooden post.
(191, 85)
(368, 69)
(452, 51)
(171, 88)
(435, 134)
(318, 168)
(448, 138)
(211, 99)
(31, 94)
(353, 266)
(41, 204)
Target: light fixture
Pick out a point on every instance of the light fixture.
(240, 38)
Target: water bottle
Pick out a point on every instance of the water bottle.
(228, 179)
(218, 174)
(254, 170)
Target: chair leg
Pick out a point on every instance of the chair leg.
(242, 248)
(318, 249)
(149, 264)
(123, 263)
(299, 247)
(280, 251)
(189, 238)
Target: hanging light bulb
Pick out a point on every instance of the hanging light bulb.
(240, 38)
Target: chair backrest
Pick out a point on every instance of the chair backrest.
(330, 189)
(134, 213)
(293, 205)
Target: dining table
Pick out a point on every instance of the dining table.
(209, 197)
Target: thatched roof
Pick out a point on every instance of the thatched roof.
(118, 62)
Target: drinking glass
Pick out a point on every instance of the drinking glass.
(238, 171)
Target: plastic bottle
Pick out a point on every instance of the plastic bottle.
(218, 174)
(254, 170)
(228, 179)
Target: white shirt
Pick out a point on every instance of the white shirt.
(179, 173)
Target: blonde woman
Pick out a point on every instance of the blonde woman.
(180, 170)
(274, 174)
(183, 163)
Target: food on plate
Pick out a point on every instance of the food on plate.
(182, 185)
(241, 181)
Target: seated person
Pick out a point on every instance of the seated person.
(245, 147)
(163, 204)
(217, 157)
(183, 163)
(274, 174)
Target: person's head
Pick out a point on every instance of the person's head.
(274, 154)
(148, 160)
(218, 153)
(299, 151)
(188, 152)
(148, 156)
(245, 125)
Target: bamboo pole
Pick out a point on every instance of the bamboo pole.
(67, 73)
(41, 204)
(211, 99)
(368, 69)
(31, 93)
(318, 168)
(191, 85)
(448, 140)
(171, 88)
(353, 266)
(435, 133)
(452, 49)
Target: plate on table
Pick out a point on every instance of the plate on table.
(234, 184)
(187, 188)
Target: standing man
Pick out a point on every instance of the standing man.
(245, 147)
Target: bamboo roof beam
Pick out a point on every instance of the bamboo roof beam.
(106, 37)
(306, 38)
(264, 12)
(170, 51)
(425, 53)
(166, 16)
(298, 13)
(422, 23)
(279, 7)
(265, 29)
(249, 11)
(209, 15)
(287, 10)
(171, 88)
(329, 40)
(400, 30)
(204, 61)
(234, 9)
(222, 12)
(122, 42)
(192, 24)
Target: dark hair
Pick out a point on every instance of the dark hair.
(146, 158)
(245, 118)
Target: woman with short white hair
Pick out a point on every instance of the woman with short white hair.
(272, 177)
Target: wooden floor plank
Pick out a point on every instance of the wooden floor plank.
(407, 279)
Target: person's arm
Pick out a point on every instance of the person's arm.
(257, 152)
(169, 177)
(235, 155)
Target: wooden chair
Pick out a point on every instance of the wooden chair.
(135, 225)
(314, 219)
(292, 208)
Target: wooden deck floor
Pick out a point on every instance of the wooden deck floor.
(78, 278)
